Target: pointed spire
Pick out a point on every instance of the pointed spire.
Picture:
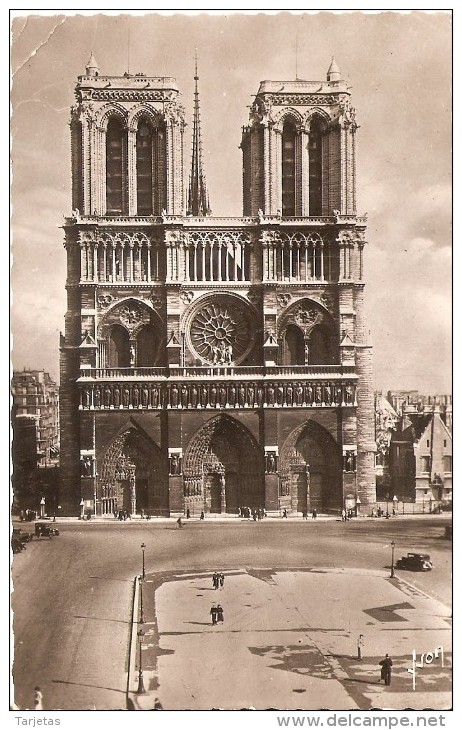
(198, 200)
(333, 73)
(92, 68)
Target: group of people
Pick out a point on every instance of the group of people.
(218, 580)
(255, 514)
(347, 514)
(122, 515)
(216, 612)
(314, 514)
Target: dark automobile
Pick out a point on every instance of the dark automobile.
(415, 561)
(16, 545)
(42, 530)
(23, 537)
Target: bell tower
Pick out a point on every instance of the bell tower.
(299, 178)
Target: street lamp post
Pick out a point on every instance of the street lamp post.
(141, 690)
(143, 574)
(392, 572)
(141, 603)
(82, 505)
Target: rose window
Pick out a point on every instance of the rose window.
(220, 332)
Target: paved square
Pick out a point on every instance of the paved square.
(288, 641)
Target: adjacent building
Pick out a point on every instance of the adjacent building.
(214, 363)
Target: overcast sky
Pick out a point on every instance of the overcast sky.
(399, 68)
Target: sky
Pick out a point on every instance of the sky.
(399, 68)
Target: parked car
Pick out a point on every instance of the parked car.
(22, 536)
(16, 545)
(415, 561)
(42, 530)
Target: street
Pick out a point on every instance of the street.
(72, 595)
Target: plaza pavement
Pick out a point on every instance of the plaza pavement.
(288, 642)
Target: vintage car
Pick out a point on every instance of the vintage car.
(43, 530)
(415, 561)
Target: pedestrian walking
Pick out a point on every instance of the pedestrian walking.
(179, 522)
(188, 513)
(360, 644)
(284, 513)
(343, 515)
(202, 515)
(222, 580)
(215, 580)
(38, 697)
(220, 617)
(213, 613)
(305, 514)
(157, 704)
(385, 672)
(314, 514)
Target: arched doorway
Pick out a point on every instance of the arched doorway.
(310, 470)
(223, 468)
(133, 476)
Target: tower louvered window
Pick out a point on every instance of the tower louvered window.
(115, 168)
(288, 169)
(315, 165)
(144, 149)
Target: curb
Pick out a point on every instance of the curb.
(131, 695)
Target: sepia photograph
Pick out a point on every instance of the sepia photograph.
(231, 362)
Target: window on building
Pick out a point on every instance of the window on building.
(315, 166)
(115, 168)
(144, 169)
(428, 444)
(447, 463)
(445, 443)
(288, 168)
(425, 463)
(294, 346)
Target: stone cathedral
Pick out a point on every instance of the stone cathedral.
(214, 363)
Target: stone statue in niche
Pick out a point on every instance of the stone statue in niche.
(193, 397)
(309, 394)
(204, 396)
(241, 396)
(126, 397)
(154, 396)
(251, 395)
(97, 398)
(144, 397)
(348, 394)
(213, 396)
(136, 396)
(270, 463)
(107, 397)
(86, 398)
(116, 397)
(132, 356)
(184, 396)
(223, 397)
(174, 464)
(232, 396)
(174, 397)
(299, 395)
(290, 395)
(270, 395)
(86, 466)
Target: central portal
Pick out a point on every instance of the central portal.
(225, 463)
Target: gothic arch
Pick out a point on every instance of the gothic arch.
(288, 114)
(317, 328)
(314, 112)
(144, 331)
(108, 112)
(310, 469)
(223, 463)
(133, 474)
(155, 118)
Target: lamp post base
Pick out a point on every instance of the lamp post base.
(141, 690)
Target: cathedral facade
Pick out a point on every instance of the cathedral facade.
(214, 363)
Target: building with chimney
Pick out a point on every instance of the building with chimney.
(213, 364)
